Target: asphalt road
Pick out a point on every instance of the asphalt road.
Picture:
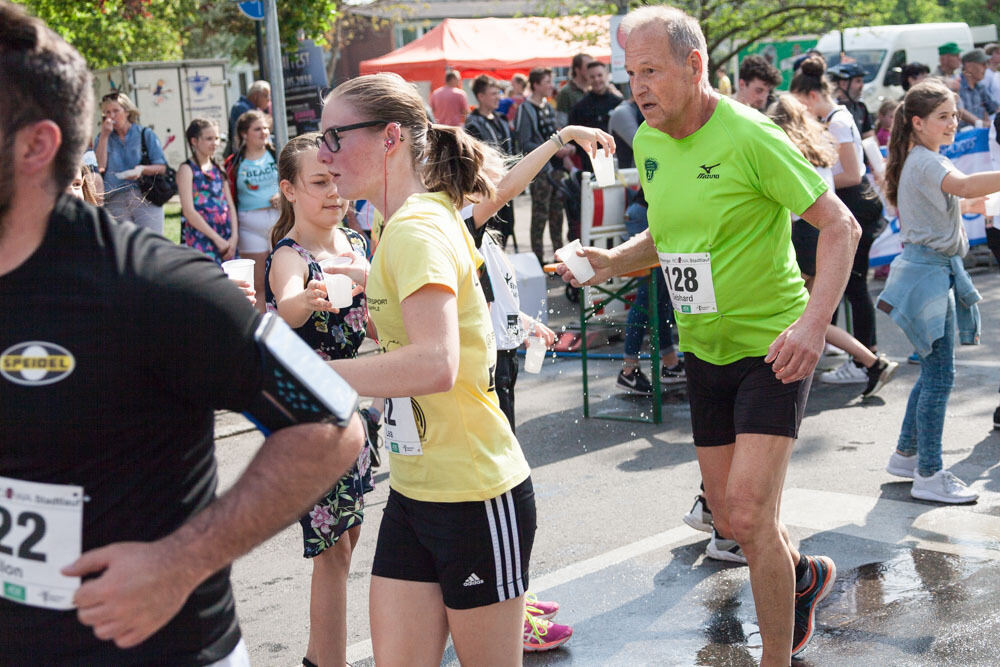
(917, 582)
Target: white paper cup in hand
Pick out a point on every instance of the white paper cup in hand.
(993, 205)
(338, 285)
(580, 266)
(535, 355)
(239, 269)
(604, 169)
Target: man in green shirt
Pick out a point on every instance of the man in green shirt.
(720, 180)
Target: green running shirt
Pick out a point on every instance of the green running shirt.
(726, 190)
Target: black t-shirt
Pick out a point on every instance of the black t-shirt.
(494, 131)
(159, 337)
(593, 110)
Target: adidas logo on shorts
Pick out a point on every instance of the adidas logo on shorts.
(473, 580)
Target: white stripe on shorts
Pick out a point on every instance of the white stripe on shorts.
(508, 574)
(515, 544)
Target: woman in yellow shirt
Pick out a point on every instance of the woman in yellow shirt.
(457, 530)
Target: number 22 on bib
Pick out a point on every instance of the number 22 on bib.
(401, 433)
(689, 281)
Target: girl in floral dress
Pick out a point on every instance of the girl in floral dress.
(307, 232)
(208, 216)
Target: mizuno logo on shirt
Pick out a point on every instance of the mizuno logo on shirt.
(707, 169)
(473, 580)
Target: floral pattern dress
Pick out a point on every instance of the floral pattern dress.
(333, 336)
(208, 192)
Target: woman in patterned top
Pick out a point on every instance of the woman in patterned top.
(208, 216)
(307, 232)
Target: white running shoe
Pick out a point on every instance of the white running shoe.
(846, 373)
(942, 487)
(832, 351)
(700, 517)
(728, 550)
(902, 466)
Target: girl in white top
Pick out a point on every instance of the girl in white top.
(812, 89)
(819, 147)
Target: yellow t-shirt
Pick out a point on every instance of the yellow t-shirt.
(469, 452)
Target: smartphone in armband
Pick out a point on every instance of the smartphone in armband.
(299, 387)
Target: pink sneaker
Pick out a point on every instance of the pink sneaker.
(542, 635)
(543, 609)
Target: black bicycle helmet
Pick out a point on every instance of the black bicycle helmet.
(845, 71)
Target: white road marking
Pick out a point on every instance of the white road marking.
(946, 529)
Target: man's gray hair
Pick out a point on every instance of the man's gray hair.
(682, 30)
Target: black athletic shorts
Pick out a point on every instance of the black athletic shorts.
(477, 551)
(741, 397)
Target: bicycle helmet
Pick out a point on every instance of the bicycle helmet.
(846, 71)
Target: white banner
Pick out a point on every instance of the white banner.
(970, 153)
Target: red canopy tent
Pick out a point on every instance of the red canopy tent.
(498, 47)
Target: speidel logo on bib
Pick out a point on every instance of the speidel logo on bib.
(36, 363)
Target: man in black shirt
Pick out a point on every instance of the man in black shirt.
(494, 130)
(115, 348)
(595, 107)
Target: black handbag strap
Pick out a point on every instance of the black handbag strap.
(145, 152)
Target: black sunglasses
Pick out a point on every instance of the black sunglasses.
(331, 136)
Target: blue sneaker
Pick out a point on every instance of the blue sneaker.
(824, 573)
(913, 358)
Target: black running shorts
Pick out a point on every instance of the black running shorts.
(477, 551)
(741, 397)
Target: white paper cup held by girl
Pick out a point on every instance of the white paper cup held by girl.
(239, 269)
(535, 354)
(580, 266)
(604, 169)
(339, 287)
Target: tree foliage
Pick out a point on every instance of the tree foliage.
(111, 32)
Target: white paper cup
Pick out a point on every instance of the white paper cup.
(993, 205)
(535, 355)
(239, 269)
(338, 285)
(581, 268)
(604, 169)
(874, 155)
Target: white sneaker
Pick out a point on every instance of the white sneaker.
(728, 550)
(846, 373)
(942, 487)
(832, 351)
(902, 466)
(699, 518)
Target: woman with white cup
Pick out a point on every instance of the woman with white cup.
(308, 233)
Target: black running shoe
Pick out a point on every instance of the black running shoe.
(996, 418)
(879, 374)
(824, 573)
(635, 382)
(673, 374)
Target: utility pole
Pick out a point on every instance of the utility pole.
(276, 74)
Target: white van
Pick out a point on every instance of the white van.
(882, 50)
